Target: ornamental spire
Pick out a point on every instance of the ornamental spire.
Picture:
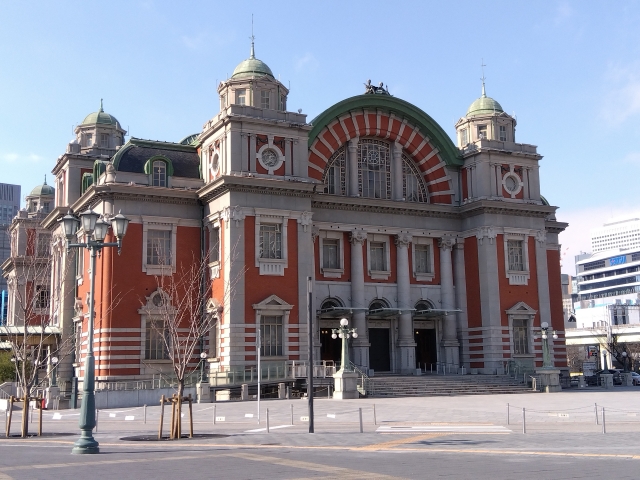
(101, 110)
(482, 65)
(252, 37)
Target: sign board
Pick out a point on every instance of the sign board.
(588, 368)
(304, 419)
(220, 419)
(331, 415)
(248, 415)
(617, 260)
(128, 418)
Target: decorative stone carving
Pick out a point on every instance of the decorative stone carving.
(315, 233)
(305, 220)
(403, 240)
(447, 242)
(358, 237)
(486, 232)
(234, 213)
(372, 89)
(111, 173)
(541, 236)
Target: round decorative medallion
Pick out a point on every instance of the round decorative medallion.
(373, 158)
(269, 158)
(157, 300)
(512, 183)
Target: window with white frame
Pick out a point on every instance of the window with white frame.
(214, 255)
(335, 174)
(271, 241)
(271, 335)
(331, 253)
(241, 96)
(158, 247)
(378, 258)
(516, 258)
(520, 336)
(264, 98)
(413, 188)
(482, 131)
(516, 255)
(88, 139)
(503, 133)
(422, 256)
(157, 340)
(159, 173)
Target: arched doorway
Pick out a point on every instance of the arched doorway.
(424, 334)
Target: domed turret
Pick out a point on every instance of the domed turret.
(41, 198)
(252, 67)
(99, 134)
(484, 106)
(100, 117)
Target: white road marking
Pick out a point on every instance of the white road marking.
(264, 429)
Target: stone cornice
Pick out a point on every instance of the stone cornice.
(372, 205)
(74, 156)
(232, 183)
(492, 207)
(553, 226)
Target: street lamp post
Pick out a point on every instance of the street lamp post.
(95, 231)
(203, 359)
(624, 362)
(54, 364)
(343, 331)
(546, 357)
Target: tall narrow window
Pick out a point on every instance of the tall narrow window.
(520, 337)
(241, 96)
(330, 253)
(283, 102)
(271, 241)
(374, 169)
(88, 139)
(464, 138)
(159, 247)
(156, 340)
(503, 133)
(516, 255)
(43, 246)
(482, 131)
(215, 244)
(423, 258)
(335, 174)
(223, 101)
(264, 98)
(43, 296)
(104, 140)
(413, 189)
(159, 174)
(378, 258)
(271, 336)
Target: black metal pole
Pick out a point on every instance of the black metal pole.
(310, 354)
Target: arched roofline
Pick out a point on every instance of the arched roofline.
(448, 151)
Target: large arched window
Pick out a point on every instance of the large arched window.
(159, 173)
(413, 189)
(374, 169)
(335, 175)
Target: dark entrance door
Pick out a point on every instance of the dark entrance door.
(331, 349)
(425, 339)
(379, 356)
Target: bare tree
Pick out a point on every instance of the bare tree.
(33, 325)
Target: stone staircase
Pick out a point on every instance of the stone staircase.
(442, 385)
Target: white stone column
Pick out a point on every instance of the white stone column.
(450, 337)
(252, 152)
(406, 342)
(288, 170)
(352, 166)
(494, 187)
(360, 344)
(396, 172)
(525, 181)
(460, 290)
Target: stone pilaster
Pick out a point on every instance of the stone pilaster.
(406, 343)
(360, 344)
(461, 288)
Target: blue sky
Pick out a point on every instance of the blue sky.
(570, 71)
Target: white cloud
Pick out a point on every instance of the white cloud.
(306, 63)
(15, 157)
(623, 98)
(577, 237)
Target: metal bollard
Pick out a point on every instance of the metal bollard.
(328, 391)
(31, 409)
(97, 415)
(360, 414)
(524, 421)
(292, 414)
(267, 420)
(597, 421)
(604, 422)
(375, 421)
(145, 414)
(214, 413)
(507, 414)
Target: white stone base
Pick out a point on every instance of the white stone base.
(346, 385)
(549, 379)
(203, 393)
(627, 379)
(606, 381)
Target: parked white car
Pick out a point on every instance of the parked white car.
(635, 376)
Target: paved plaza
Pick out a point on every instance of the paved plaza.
(427, 437)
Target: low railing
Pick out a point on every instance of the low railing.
(364, 383)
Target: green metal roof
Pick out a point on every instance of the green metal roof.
(252, 67)
(387, 103)
(43, 189)
(100, 117)
(484, 106)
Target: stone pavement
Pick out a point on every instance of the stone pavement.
(458, 437)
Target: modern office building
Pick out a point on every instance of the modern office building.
(623, 234)
(436, 250)
(9, 206)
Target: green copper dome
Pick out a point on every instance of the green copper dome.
(484, 106)
(43, 189)
(100, 117)
(252, 67)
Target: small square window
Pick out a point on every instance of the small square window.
(264, 99)
(377, 261)
(241, 96)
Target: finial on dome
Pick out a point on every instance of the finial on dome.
(45, 178)
(482, 65)
(252, 37)
(101, 109)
